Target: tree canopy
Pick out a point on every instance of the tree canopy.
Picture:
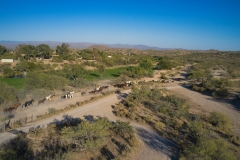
(146, 64)
(63, 49)
(3, 50)
(27, 50)
(43, 51)
(164, 64)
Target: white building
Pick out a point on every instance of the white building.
(7, 60)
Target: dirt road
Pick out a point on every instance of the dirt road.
(208, 104)
(154, 146)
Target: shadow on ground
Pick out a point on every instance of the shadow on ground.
(121, 95)
(158, 143)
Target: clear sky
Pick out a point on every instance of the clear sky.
(188, 24)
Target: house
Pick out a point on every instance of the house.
(7, 60)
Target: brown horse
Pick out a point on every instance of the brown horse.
(92, 92)
(41, 101)
(7, 110)
(51, 98)
(15, 106)
(99, 90)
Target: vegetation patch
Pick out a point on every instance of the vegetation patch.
(169, 115)
(18, 83)
(72, 138)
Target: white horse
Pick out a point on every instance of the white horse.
(70, 94)
(96, 89)
(48, 97)
(128, 82)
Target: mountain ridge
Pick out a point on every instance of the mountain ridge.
(79, 45)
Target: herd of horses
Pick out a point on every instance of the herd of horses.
(69, 95)
(96, 90)
(27, 104)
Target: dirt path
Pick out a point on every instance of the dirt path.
(154, 146)
(208, 104)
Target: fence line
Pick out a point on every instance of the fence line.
(3, 127)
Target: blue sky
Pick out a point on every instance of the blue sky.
(188, 24)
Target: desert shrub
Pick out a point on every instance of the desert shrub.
(159, 126)
(140, 94)
(219, 120)
(155, 94)
(195, 129)
(175, 123)
(7, 72)
(16, 148)
(57, 59)
(163, 76)
(121, 79)
(9, 94)
(197, 88)
(176, 101)
(52, 111)
(148, 119)
(163, 107)
(88, 135)
(124, 129)
(133, 142)
(223, 92)
(210, 149)
(164, 64)
(131, 106)
(44, 81)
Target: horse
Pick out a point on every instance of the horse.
(51, 97)
(48, 97)
(128, 82)
(122, 85)
(15, 106)
(92, 92)
(27, 104)
(5, 111)
(64, 97)
(41, 101)
(100, 90)
(96, 89)
(115, 85)
(105, 87)
(70, 94)
(83, 93)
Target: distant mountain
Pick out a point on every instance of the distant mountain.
(78, 45)
(99, 47)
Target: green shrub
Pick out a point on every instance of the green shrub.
(159, 126)
(223, 92)
(57, 59)
(36, 80)
(210, 149)
(195, 129)
(219, 120)
(52, 111)
(163, 76)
